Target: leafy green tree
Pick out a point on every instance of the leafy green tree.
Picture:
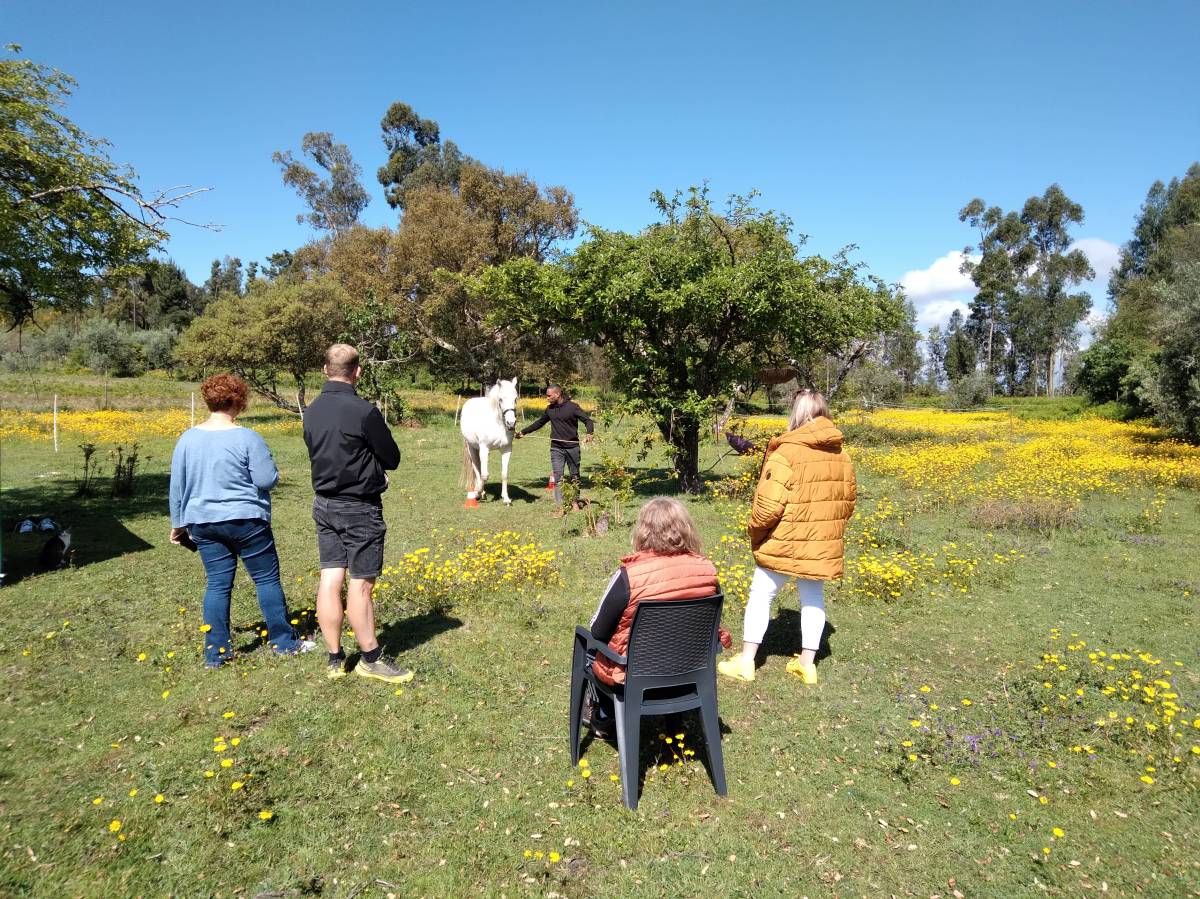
(334, 202)
(444, 238)
(1172, 388)
(1166, 209)
(686, 310)
(225, 277)
(900, 350)
(276, 329)
(417, 156)
(153, 295)
(67, 211)
(1025, 273)
(935, 362)
(1166, 238)
(108, 349)
(1003, 251)
(1052, 311)
(1104, 372)
(278, 265)
(959, 358)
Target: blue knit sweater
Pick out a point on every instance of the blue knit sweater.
(223, 475)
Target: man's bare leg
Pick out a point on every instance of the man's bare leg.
(329, 607)
(360, 609)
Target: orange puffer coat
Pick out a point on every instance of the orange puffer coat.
(805, 496)
(651, 576)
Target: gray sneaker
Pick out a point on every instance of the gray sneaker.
(384, 669)
(336, 668)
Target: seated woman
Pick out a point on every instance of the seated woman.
(666, 564)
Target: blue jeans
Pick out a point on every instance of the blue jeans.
(220, 545)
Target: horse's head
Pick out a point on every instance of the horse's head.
(504, 394)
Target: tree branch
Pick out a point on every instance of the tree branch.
(150, 212)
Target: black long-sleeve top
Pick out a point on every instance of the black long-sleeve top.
(564, 422)
(349, 444)
(612, 606)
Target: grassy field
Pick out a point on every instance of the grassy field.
(978, 730)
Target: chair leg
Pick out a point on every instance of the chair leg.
(712, 738)
(629, 727)
(578, 686)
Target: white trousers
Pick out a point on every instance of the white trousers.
(763, 587)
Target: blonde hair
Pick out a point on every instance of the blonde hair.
(807, 404)
(341, 360)
(665, 527)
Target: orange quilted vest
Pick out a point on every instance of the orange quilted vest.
(652, 576)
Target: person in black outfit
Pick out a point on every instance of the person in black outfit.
(564, 417)
(351, 450)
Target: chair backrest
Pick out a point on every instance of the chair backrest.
(673, 636)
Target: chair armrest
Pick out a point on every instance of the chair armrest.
(582, 633)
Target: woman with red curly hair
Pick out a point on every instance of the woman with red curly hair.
(221, 478)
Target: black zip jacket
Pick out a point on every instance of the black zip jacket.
(564, 423)
(349, 444)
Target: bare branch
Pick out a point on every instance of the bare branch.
(149, 214)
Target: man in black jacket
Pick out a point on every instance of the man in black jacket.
(564, 417)
(350, 448)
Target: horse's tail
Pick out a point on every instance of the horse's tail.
(467, 479)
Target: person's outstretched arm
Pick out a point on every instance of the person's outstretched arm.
(540, 422)
(612, 606)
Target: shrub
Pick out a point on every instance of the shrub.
(968, 392)
(1025, 514)
(872, 384)
(106, 348)
(158, 348)
(54, 344)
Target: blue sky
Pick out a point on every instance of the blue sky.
(867, 123)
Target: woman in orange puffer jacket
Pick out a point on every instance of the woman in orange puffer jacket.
(805, 496)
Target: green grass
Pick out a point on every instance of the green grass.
(440, 791)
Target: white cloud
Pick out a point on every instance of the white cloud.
(938, 282)
(1103, 256)
(941, 288)
(938, 312)
(938, 290)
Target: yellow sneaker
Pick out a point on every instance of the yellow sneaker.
(806, 673)
(385, 669)
(738, 667)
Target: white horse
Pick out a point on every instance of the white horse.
(487, 424)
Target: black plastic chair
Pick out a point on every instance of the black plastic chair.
(673, 649)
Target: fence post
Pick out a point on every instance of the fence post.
(56, 422)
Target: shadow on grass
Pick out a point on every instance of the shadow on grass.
(653, 750)
(783, 638)
(306, 626)
(515, 493)
(409, 633)
(98, 532)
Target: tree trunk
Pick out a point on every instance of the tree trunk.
(991, 332)
(685, 439)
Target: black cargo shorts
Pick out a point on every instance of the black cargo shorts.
(350, 534)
